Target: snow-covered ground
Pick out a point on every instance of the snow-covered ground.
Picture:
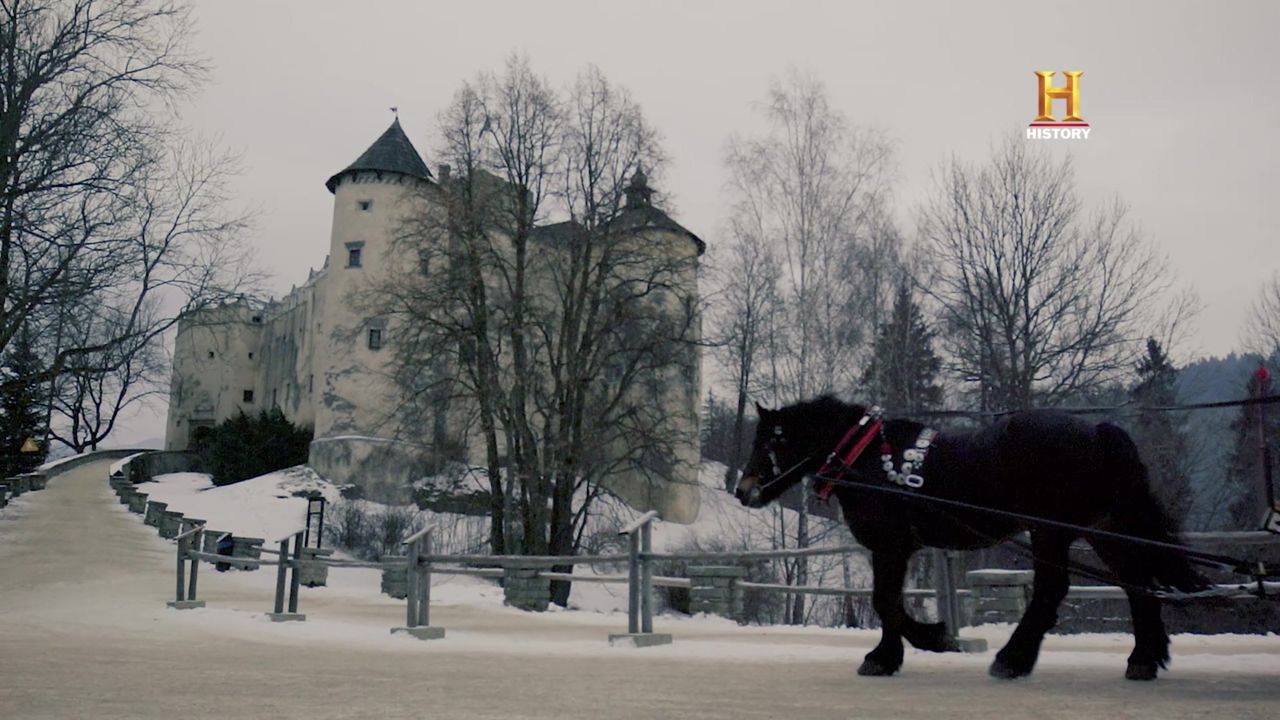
(84, 633)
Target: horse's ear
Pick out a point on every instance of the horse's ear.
(762, 412)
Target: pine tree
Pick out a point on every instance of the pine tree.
(1161, 436)
(1244, 471)
(22, 408)
(717, 429)
(903, 371)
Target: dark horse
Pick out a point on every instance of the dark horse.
(1039, 464)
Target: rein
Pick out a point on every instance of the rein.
(1223, 562)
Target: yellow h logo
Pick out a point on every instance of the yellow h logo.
(1069, 92)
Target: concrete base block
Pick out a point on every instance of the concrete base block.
(287, 617)
(185, 604)
(972, 645)
(640, 640)
(422, 633)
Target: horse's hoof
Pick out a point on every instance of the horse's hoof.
(950, 644)
(1140, 671)
(1005, 671)
(871, 668)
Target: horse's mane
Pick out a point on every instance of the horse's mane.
(822, 406)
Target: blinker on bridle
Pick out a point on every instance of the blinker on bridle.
(778, 473)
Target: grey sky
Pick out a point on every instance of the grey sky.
(1181, 98)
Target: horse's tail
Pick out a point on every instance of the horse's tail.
(1138, 513)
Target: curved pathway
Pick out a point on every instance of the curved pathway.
(84, 633)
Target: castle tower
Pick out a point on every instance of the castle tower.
(370, 198)
(355, 398)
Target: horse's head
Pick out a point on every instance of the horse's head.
(790, 443)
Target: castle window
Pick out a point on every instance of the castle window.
(251, 356)
(375, 339)
(248, 396)
(274, 399)
(257, 319)
(210, 354)
(365, 205)
(311, 383)
(354, 251)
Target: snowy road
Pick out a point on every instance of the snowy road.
(84, 633)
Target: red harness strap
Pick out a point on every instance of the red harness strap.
(826, 487)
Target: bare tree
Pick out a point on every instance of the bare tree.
(816, 186)
(1039, 300)
(86, 402)
(1262, 328)
(558, 339)
(748, 280)
(105, 208)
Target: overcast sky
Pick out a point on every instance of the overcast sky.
(1181, 97)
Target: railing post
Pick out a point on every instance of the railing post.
(197, 543)
(944, 590)
(646, 578)
(640, 586)
(188, 600)
(280, 570)
(424, 584)
(633, 585)
(182, 565)
(418, 589)
(294, 578)
(411, 584)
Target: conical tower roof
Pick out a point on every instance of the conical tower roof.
(392, 152)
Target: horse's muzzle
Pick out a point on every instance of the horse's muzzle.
(748, 491)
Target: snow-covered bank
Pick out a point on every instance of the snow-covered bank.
(270, 507)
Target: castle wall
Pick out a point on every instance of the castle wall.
(286, 372)
(215, 361)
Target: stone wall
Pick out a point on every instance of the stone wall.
(1000, 596)
(381, 469)
(522, 588)
(714, 589)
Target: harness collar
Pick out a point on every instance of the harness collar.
(871, 424)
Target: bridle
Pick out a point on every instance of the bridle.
(865, 430)
(778, 473)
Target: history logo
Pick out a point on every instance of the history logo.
(1047, 127)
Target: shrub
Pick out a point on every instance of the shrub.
(244, 447)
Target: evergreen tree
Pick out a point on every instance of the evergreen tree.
(245, 447)
(904, 368)
(717, 429)
(1244, 472)
(23, 407)
(1161, 436)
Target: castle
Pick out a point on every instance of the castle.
(323, 363)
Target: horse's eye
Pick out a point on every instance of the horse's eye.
(777, 430)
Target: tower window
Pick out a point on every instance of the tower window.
(248, 396)
(354, 252)
(375, 339)
(365, 205)
(210, 354)
(251, 356)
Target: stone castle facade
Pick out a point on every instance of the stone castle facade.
(314, 356)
